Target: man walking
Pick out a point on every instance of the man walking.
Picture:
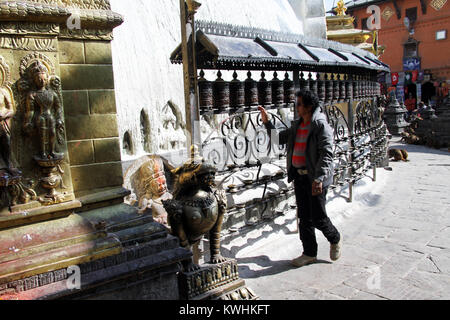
(309, 164)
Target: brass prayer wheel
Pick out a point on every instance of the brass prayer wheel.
(361, 88)
(264, 91)
(341, 90)
(355, 89)
(328, 89)
(237, 92)
(312, 84)
(335, 89)
(303, 83)
(251, 91)
(321, 90)
(289, 90)
(277, 90)
(205, 92)
(221, 94)
(348, 90)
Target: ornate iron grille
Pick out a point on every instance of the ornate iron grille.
(242, 141)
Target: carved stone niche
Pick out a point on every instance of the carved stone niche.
(42, 125)
(12, 189)
(37, 144)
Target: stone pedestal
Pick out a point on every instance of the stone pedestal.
(394, 117)
(215, 282)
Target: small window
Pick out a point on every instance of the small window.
(364, 24)
(441, 35)
(411, 13)
(411, 49)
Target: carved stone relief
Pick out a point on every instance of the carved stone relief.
(12, 190)
(87, 34)
(30, 36)
(29, 28)
(28, 44)
(81, 4)
(42, 123)
(172, 134)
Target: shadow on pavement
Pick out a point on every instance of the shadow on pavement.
(269, 266)
(412, 148)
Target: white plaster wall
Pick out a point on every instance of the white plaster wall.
(312, 14)
(144, 76)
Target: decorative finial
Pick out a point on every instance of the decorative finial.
(193, 6)
(340, 8)
(195, 154)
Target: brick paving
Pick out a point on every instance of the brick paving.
(396, 240)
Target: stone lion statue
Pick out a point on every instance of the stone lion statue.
(197, 207)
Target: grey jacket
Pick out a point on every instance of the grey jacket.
(319, 147)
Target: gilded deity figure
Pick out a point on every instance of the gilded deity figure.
(43, 105)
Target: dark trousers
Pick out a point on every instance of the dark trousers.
(312, 214)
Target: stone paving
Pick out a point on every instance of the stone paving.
(396, 240)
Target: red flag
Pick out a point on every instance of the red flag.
(415, 74)
(394, 78)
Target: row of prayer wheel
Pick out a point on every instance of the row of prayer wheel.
(223, 96)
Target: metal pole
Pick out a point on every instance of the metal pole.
(296, 79)
(187, 11)
(351, 128)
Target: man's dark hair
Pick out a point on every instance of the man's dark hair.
(309, 98)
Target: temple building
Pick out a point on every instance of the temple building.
(103, 192)
(341, 28)
(415, 33)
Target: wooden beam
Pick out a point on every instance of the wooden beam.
(308, 52)
(397, 9)
(266, 46)
(423, 4)
(188, 41)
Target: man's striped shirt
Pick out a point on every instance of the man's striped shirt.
(298, 157)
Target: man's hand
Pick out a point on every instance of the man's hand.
(317, 188)
(264, 116)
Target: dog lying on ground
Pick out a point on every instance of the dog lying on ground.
(410, 138)
(398, 154)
